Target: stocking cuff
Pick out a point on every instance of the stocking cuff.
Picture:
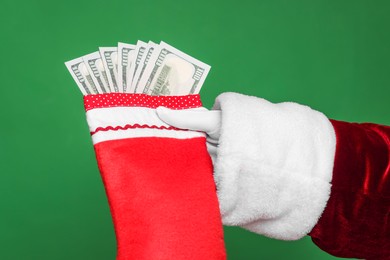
(118, 115)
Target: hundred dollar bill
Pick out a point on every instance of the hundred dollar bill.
(125, 59)
(135, 88)
(96, 70)
(172, 72)
(110, 61)
(81, 76)
(138, 53)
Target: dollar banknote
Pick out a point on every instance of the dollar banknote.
(172, 72)
(125, 59)
(81, 76)
(138, 53)
(110, 61)
(142, 66)
(149, 68)
(96, 69)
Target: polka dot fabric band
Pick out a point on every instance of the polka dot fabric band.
(140, 100)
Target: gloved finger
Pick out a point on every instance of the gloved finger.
(204, 120)
(212, 150)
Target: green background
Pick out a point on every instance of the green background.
(332, 55)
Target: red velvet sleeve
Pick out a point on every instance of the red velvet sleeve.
(356, 220)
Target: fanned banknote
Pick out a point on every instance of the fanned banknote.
(138, 53)
(125, 59)
(172, 72)
(141, 67)
(96, 69)
(81, 75)
(110, 61)
(149, 68)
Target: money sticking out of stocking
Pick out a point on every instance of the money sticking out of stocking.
(158, 179)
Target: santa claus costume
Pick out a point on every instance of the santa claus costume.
(285, 171)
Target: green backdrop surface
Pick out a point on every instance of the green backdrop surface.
(332, 55)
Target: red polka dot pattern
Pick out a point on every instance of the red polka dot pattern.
(140, 100)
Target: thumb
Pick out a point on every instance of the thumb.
(198, 119)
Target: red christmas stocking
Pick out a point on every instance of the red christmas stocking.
(158, 179)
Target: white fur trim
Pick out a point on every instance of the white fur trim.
(274, 165)
(122, 116)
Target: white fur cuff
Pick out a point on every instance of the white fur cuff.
(274, 165)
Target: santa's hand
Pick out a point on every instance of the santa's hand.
(274, 162)
(208, 121)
